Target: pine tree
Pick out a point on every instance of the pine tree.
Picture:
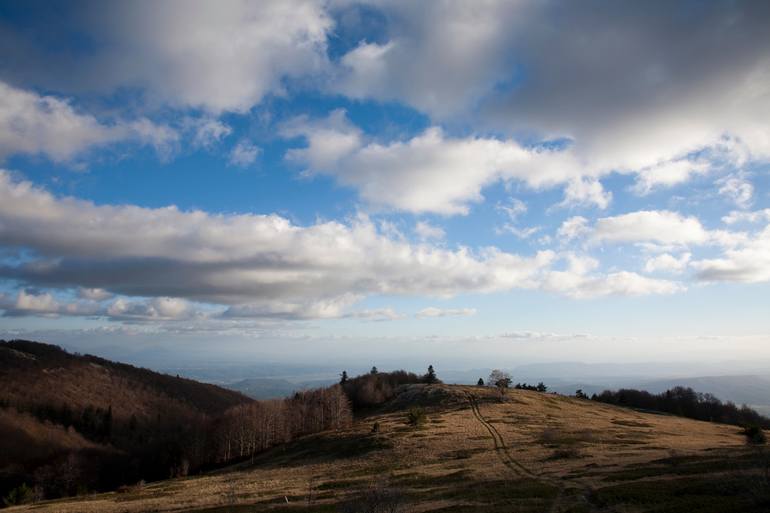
(430, 377)
(374, 370)
(480, 382)
(343, 377)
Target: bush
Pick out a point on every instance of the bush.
(19, 495)
(754, 435)
(378, 498)
(415, 416)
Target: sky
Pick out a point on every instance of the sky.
(318, 181)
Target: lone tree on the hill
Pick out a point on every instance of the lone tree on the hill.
(430, 377)
(481, 382)
(374, 370)
(500, 379)
(343, 377)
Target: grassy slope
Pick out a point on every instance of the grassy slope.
(534, 452)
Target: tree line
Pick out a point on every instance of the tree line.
(177, 443)
(248, 429)
(376, 387)
(685, 402)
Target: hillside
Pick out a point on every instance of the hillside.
(32, 373)
(531, 452)
(91, 423)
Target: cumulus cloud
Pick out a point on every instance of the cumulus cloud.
(513, 209)
(660, 230)
(378, 314)
(432, 311)
(154, 309)
(663, 227)
(44, 304)
(747, 263)
(668, 174)
(218, 57)
(437, 71)
(623, 283)
(427, 231)
(737, 189)
(244, 154)
(586, 192)
(207, 131)
(737, 216)
(572, 228)
(258, 265)
(668, 263)
(93, 294)
(238, 259)
(683, 100)
(431, 172)
(51, 126)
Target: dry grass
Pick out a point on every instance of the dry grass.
(450, 462)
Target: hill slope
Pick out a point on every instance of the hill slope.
(32, 373)
(532, 452)
(74, 421)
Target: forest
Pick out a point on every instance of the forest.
(686, 402)
(88, 424)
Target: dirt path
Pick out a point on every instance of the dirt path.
(509, 461)
(502, 449)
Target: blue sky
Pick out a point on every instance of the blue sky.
(302, 178)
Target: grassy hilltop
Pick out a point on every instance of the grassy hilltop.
(459, 449)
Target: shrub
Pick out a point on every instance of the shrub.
(415, 416)
(378, 498)
(564, 454)
(19, 495)
(754, 435)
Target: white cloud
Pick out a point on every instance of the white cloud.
(666, 114)
(586, 192)
(432, 311)
(668, 174)
(658, 226)
(430, 172)
(94, 294)
(624, 283)
(737, 189)
(427, 231)
(737, 216)
(668, 263)
(44, 304)
(514, 209)
(379, 314)
(244, 154)
(260, 265)
(34, 124)
(223, 56)
(438, 71)
(747, 263)
(520, 232)
(155, 309)
(572, 228)
(208, 132)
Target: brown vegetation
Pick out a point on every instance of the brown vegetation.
(72, 423)
(532, 452)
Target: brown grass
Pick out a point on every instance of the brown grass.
(559, 453)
